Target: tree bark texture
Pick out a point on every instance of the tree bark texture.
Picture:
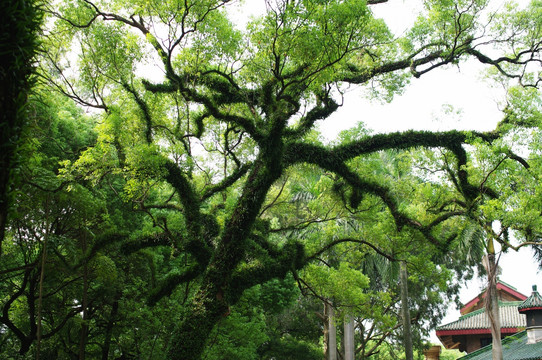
(192, 332)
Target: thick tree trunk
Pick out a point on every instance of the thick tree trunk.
(209, 304)
(218, 289)
(407, 334)
(349, 337)
(191, 334)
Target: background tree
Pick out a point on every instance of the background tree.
(365, 238)
(21, 22)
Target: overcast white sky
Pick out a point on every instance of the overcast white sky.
(421, 107)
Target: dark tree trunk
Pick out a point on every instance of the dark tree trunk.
(109, 328)
(84, 325)
(407, 334)
(19, 24)
(210, 304)
(191, 334)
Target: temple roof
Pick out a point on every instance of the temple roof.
(478, 321)
(514, 347)
(506, 292)
(533, 302)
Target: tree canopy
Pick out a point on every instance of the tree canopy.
(195, 180)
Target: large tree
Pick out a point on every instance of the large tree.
(202, 146)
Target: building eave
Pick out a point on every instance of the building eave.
(475, 331)
(529, 309)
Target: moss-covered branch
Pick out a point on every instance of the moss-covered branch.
(187, 195)
(172, 280)
(227, 182)
(132, 246)
(290, 257)
(144, 110)
(349, 240)
(213, 109)
(334, 159)
(324, 108)
(355, 75)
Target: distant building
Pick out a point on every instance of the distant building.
(472, 331)
(433, 353)
(525, 345)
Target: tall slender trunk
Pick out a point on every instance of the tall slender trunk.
(42, 276)
(492, 302)
(330, 332)
(407, 333)
(109, 326)
(40, 298)
(3, 220)
(349, 337)
(84, 325)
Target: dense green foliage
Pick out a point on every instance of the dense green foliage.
(175, 200)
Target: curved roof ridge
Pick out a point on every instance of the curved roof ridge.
(501, 304)
(533, 302)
